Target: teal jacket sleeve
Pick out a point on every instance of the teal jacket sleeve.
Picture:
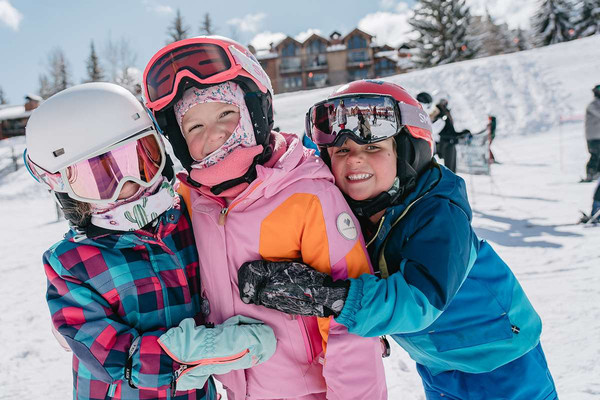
(432, 252)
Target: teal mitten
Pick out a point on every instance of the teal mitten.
(238, 343)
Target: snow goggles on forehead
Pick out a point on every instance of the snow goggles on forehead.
(100, 178)
(206, 62)
(364, 119)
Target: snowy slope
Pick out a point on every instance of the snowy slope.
(525, 209)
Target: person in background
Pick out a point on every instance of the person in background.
(127, 270)
(446, 147)
(341, 115)
(443, 294)
(594, 216)
(592, 136)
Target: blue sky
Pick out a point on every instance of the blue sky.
(30, 29)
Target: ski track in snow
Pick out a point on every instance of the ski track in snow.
(526, 209)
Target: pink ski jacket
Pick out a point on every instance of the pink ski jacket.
(291, 211)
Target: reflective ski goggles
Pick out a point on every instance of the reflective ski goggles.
(100, 178)
(210, 61)
(365, 119)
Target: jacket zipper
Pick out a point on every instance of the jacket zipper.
(310, 346)
(184, 368)
(225, 210)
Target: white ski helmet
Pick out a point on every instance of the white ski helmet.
(81, 122)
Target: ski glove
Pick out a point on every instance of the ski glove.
(238, 343)
(291, 287)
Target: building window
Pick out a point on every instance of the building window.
(357, 74)
(316, 47)
(316, 80)
(358, 56)
(289, 50)
(292, 82)
(385, 67)
(290, 64)
(357, 42)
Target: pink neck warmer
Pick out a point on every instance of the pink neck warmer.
(235, 165)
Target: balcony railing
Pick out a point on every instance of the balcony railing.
(315, 61)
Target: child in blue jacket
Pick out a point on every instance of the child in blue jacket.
(446, 297)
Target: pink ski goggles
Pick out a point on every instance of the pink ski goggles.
(100, 178)
(206, 61)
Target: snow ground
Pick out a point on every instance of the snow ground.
(526, 209)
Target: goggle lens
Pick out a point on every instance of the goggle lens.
(203, 60)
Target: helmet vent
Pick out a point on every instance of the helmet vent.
(135, 116)
(58, 152)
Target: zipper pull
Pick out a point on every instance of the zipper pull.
(176, 374)
(222, 216)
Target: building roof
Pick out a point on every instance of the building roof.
(356, 30)
(31, 96)
(287, 39)
(13, 112)
(265, 54)
(315, 36)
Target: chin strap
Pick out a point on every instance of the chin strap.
(367, 208)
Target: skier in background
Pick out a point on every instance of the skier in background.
(342, 115)
(446, 147)
(592, 136)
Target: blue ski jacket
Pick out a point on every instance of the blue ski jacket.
(448, 299)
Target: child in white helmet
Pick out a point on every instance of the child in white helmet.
(126, 272)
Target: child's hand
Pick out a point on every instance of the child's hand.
(291, 287)
(238, 343)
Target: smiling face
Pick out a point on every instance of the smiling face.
(364, 171)
(206, 126)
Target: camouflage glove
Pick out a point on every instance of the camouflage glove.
(291, 287)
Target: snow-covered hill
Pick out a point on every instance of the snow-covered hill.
(525, 209)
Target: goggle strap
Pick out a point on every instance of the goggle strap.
(414, 116)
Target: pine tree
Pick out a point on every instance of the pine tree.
(444, 32)
(95, 73)
(2, 97)
(552, 22)
(177, 30)
(206, 26)
(587, 20)
(522, 39)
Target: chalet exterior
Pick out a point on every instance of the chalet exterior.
(318, 61)
(14, 118)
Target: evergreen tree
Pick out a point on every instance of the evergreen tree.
(444, 32)
(206, 26)
(587, 20)
(177, 30)
(522, 40)
(94, 71)
(2, 97)
(552, 22)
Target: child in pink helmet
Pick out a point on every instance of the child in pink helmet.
(255, 193)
